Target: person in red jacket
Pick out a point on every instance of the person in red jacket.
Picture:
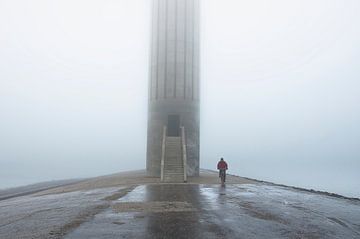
(222, 167)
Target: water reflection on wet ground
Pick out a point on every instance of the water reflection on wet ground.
(234, 211)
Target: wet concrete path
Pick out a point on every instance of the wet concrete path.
(211, 211)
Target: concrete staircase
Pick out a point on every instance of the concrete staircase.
(173, 163)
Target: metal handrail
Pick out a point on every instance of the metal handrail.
(184, 151)
(163, 153)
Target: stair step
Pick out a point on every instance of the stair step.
(174, 178)
(172, 157)
(170, 172)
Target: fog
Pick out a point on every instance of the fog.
(279, 90)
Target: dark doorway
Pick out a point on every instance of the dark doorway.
(173, 126)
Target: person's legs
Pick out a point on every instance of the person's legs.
(222, 176)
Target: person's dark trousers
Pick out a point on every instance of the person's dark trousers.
(222, 171)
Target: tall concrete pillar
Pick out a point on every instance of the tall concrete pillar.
(174, 79)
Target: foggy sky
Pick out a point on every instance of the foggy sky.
(279, 89)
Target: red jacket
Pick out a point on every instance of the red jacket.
(222, 165)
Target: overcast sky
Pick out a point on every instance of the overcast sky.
(279, 89)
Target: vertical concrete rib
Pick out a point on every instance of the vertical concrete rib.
(171, 49)
(197, 50)
(166, 46)
(189, 48)
(176, 50)
(185, 47)
(157, 49)
(156, 78)
(193, 51)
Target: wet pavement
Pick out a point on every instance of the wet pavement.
(256, 210)
(50, 216)
(234, 211)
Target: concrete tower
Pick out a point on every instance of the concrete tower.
(174, 80)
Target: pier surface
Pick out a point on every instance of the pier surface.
(131, 205)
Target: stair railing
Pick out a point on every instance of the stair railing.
(183, 144)
(163, 153)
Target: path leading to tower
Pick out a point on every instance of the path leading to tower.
(211, 211)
